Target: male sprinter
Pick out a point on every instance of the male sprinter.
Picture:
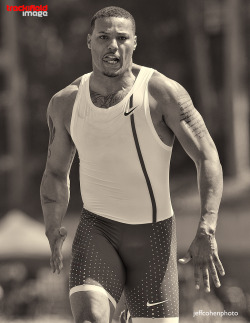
(122, 119)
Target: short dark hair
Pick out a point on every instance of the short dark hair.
(112, 12)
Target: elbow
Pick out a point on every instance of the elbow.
(53, 181)
(55, 174)
(214, 160)
(210, 167)
(209, 154)
(210, 159)
(210, 162)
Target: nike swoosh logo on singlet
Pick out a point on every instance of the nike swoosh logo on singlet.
(153, 304)
(131, 109)
(128, 113)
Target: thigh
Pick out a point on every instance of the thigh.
(152, 281)
(96, 267)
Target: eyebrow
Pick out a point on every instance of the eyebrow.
(119, 33)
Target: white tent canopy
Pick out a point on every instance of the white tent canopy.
(23, 237)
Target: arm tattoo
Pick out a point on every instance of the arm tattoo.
(107, 101)
(191, 116)
(52, 132)
(47, 200)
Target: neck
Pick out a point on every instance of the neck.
(106, 85)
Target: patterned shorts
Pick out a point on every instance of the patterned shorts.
(137, 258)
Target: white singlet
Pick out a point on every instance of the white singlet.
(124, 165)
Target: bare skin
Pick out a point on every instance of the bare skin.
(188, 126)
(112, 44)
(55, 182)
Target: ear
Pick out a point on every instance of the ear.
(89, 41)
(135, 42)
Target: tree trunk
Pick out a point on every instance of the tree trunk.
(236, 102)
(15, 112)
(198, 48)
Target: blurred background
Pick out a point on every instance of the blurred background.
(202, 44)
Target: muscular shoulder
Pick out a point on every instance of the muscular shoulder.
(61, 104)
(165, 90)
(170, 100)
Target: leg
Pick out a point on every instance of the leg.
(91, 307)
(152, 282)
(96, 274)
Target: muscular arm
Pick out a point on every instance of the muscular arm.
(190, 129)
(187, 124)
(55, 185)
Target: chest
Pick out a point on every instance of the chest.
(107, 101)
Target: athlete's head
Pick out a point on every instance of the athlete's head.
(112, 12)
(112, 41)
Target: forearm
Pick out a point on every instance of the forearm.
(54, 194)
(203, 250)
(210, 182)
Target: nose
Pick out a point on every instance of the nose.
(113, 44)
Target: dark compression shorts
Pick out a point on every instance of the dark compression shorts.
(110, 257)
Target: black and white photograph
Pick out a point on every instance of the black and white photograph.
(124, 161)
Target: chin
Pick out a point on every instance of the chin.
(111, 73)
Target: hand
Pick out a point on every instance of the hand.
(204, 253)
(56, 239)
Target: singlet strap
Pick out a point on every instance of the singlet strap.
(143, 79)
(77, 102)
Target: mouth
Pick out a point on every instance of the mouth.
(111, 59)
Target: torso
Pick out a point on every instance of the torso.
(118, 150)
(104, 102)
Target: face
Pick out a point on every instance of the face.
(112, 44)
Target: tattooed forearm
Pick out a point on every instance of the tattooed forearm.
(191, 116)
(47, 200)
(102, 101)
(52, 131)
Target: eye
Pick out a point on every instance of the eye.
(103, 37)
(123, 38)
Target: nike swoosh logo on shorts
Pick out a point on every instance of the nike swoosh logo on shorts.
(126, 113)
(153, 304)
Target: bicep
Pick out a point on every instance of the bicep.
(61, 149)
(189, 127)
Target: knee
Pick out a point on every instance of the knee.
(92, 315)
(90, 307)
(97, 316)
